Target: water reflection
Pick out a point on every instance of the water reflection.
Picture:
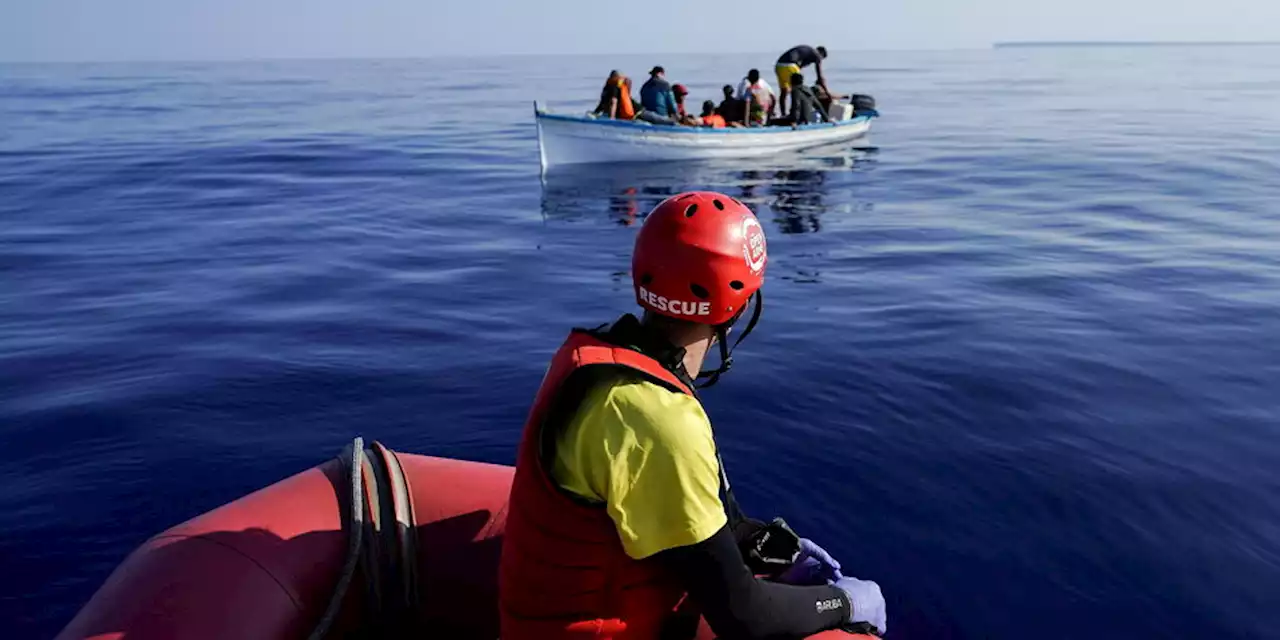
(795, 196)
(799, 200)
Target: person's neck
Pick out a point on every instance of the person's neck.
(696, 340)
(694, 355)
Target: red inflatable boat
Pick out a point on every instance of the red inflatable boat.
(406, 547)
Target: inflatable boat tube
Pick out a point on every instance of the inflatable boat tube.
(407, 547)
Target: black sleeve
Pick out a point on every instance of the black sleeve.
(738, 605)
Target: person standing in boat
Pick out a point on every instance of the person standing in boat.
(795, 59)
(622, 521)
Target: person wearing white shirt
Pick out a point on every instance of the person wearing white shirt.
(753, 86)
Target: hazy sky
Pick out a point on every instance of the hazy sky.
(234, 29)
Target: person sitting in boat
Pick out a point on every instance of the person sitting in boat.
(805, 107)
(792, 61)
(709, 116)
(682, 114)
(731, 108)
(622, 521)
(615, 98)
(753, 87)
(827, 99)
(680, 92)
(657, 98)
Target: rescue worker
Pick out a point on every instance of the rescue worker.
(622, 522)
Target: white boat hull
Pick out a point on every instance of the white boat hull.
(567, 140)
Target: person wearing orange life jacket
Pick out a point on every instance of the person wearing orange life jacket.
(622, 522)
(615, 98)
(709, 116)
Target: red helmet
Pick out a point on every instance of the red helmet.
(699, 257)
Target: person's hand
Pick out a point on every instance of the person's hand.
(812, 567)
(866, 600)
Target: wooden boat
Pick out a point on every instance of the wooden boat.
(565, 139)
(373, 543)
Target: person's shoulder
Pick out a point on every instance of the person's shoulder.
(653, 410)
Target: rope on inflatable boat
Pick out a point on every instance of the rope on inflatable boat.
(356, 529)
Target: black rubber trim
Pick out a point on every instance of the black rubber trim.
(393, 605)
(354, 526)
(371, 550)
(404, 549)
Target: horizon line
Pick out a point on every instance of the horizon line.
(1007, 44)
(1134, 43)
(431, 56)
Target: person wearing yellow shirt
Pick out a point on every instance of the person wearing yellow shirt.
(622, 523)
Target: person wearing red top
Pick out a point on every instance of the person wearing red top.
(681, 91)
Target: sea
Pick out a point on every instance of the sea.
(1019, 361)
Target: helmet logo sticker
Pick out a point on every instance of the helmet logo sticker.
(675, 307)
(753, 245)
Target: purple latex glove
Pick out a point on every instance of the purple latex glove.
(812, 567)
(867, 601)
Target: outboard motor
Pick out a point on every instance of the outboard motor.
(862, 103)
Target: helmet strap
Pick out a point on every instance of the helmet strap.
(726, 353)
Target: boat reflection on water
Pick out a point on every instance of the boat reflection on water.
(625, 193)
(795, 195)
(798, 198)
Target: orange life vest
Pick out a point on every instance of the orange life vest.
(563, 571)
(626, 111)
(715, 121)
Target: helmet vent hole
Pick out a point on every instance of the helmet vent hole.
(699, 291)
(688, 213)
(736, 285)
(646, 279)
(719, 205)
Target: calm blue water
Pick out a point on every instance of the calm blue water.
(1020, 361)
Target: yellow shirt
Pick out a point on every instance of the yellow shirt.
(647, 454)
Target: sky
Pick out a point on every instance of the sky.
(111, 30)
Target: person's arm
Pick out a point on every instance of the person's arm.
(738, 605)
(822, 80)
(822, 110)
(670, 97)
(651, 455)
(613, 107)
